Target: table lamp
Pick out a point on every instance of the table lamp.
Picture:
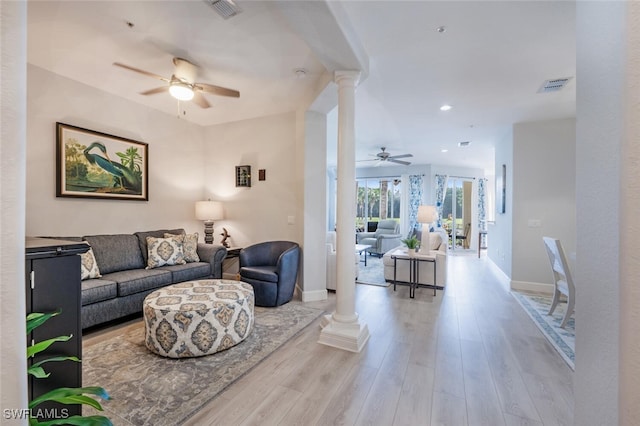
(209, 211)
(426, 215)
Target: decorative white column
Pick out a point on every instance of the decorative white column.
(342, 329)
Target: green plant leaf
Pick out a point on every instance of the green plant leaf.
(73, 396)
(41, 346)
(75, 421)
(37, 371)
(36, 319)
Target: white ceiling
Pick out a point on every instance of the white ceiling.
(488, 64)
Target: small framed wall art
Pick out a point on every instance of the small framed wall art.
(243, 176)
(92, 164)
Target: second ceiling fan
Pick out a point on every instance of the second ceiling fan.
(384, 156)
(182, 84)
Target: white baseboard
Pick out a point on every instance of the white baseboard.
(314, 295)
(500, 274)
(532, 287)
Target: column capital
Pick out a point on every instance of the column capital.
(347, 76)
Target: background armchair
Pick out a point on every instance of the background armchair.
(272, 269)
(386, 237)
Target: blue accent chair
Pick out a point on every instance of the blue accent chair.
(272, 269)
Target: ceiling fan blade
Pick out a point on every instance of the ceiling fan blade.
(400, 156)
(373, 159)
(217, 90)
(406, 163)
(147, 73)
(156, 90)
(200, 100)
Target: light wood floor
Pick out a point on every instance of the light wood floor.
(469, 356)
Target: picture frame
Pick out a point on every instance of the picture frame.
(91, 164)
(243, 176)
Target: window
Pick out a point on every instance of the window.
(377, 199)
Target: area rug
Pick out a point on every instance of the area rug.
(147, 389)
(563, 339)
(373, 273)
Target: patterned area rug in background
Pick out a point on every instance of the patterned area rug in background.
(147, 389)
(373, 273)
(564, 340)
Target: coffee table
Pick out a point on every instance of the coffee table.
(197, 318)
(360, 248)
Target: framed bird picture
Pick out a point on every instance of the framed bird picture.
(92, 164)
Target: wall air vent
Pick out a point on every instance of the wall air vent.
(464, 144)
(225, 8)
(553, 85)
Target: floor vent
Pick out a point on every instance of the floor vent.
(554, 85)
(225, 8)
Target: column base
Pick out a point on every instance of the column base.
(347, 336)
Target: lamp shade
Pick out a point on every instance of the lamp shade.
(209, 210)
(427, 214)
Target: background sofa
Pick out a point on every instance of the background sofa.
(125, 281)
(439, 247)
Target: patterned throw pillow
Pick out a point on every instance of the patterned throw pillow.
(164, 251)
(89, 266)
(189, 246)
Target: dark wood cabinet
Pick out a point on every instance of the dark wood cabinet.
(53, 283)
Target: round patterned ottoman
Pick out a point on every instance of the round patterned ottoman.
(197, 318)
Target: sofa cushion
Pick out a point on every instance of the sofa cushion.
(137, 280)
(118, 252)
(189, 246)
(94, 291)
(165, 251)
(189, 271)
(88, 265)
(142, 239)
(261, 273)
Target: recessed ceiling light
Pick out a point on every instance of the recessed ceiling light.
(441, 29)
(444, 150)
(445, 107)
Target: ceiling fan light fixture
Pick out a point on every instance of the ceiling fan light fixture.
(181, 91)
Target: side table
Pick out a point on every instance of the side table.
(230, 264)
(414, 271)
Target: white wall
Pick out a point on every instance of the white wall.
(601, 66)
(315, 207)
(544, 190)
(13, 124)
(500, 232)
(261, 212)
(175, 161)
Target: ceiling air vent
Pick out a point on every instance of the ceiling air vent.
(464, 144)
(225, 8)
(554, 85)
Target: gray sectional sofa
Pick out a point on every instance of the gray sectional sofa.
(125, 282)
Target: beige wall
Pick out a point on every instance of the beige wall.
(176, 164)
(263, 211)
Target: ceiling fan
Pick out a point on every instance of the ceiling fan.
(182, 84)
(383, 156)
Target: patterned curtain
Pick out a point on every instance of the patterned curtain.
(415, 199)
(482, 204)
(441, 192)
